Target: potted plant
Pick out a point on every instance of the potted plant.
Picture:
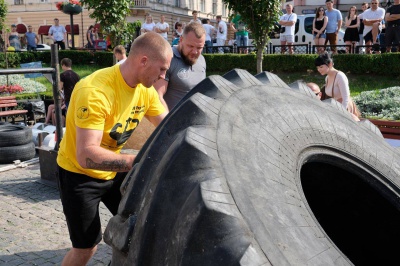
(71, 7)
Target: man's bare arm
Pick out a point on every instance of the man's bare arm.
(91, 155)
(161, 87)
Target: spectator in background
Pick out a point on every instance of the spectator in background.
(351, 34)
(188, 67)
(177, 33)
(32, 39)
(242, 35)
(336, 83)
(90, 37)
(209, 29)
(162, 27)
(319, 28)
(58, 33)
(392, 20)
(195, 18)
(287, 22)
(361, 41)
(333, 26)
(222, 33)
(148, 25)
(315, 89)
(120, 54)
(372, 19)
(68, 79)
(13, 38)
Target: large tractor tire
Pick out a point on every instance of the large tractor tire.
(252, 172)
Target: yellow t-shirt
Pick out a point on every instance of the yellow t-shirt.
(103, 101)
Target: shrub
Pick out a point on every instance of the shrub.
(380, 104)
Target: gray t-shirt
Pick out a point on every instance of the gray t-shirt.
(182, 78)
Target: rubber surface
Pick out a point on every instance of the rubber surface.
(233, 176)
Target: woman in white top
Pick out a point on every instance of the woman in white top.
(148, 25)
(336, 83)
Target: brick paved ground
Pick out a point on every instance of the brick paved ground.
(33, 230)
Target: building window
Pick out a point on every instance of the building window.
(224, 10)
(191, 5)
(178, 3)
(18, 2)
(159, 1)
(202, 5)
(214, 8)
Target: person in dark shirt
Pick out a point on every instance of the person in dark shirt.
(392, 18)
(68, 79)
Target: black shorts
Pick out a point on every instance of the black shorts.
(392, 35)
(80, 197)
(368, 37)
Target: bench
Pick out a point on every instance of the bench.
(389, 129)
(7, 105)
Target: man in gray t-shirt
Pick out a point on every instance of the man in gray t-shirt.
(187, 69)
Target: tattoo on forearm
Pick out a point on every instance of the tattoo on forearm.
(116, 165)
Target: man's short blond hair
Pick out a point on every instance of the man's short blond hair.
(119, 49)
(151, 44)
(196, 28)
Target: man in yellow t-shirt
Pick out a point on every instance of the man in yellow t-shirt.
(105, 109)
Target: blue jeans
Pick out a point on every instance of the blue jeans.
(242, 40)
(208, 45)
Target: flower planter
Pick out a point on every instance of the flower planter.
(71, 9)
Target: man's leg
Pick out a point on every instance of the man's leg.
(80, 197)
(375, 32)
(220, 42)
(389, 36)
(62, 45)
(368, 42)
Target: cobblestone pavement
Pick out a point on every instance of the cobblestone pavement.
(33, 230)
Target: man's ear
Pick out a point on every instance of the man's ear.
(143, 60)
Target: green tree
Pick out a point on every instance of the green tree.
(3, 14)
(112, 17)
(261, 17)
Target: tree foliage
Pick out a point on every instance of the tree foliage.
(261, 17)
(112, 17)
(3, 14)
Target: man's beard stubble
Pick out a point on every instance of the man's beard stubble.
(186, 59)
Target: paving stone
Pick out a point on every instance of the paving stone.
(33, 230)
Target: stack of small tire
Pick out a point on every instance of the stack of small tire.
(15, 143)
(247, 170)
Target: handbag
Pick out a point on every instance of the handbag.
(283, 29)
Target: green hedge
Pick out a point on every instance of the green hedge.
(383, 64)
(386, 64)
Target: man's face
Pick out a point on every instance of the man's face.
(162, 18)
(364, 7)
(329, 5)
(30, 29)
(56, 21)
(289, 9)
(374, 5)
(195, 15)
(190, 47)
(155, 70)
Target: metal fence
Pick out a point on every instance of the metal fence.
(298, 49)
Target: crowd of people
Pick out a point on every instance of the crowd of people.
(57, 33)
(362, 29)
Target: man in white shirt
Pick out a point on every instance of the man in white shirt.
(209, 32)
(288, 22)
(221, 33)
(372, 19)
(162, 27)
(195, 18)
(58, 33)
